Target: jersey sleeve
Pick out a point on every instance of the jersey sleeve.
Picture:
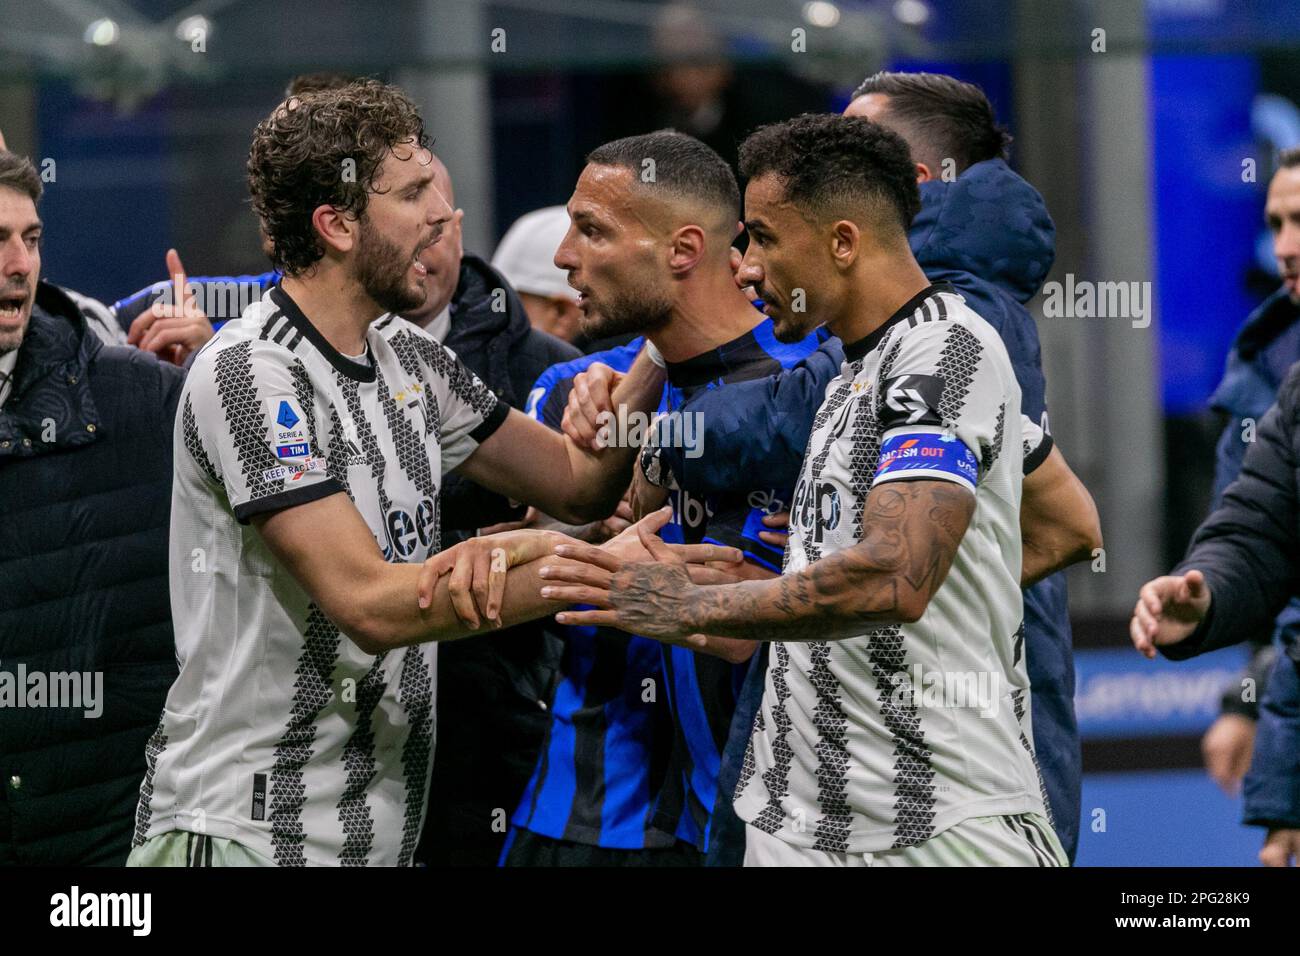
(250, 424)
(942, 405)
(1036, 444)
(469, 411)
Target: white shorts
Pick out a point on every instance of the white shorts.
(1024, 839)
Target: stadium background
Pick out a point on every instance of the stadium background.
(1141, 139)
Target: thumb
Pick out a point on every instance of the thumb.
(1195, 585)
(176, 272)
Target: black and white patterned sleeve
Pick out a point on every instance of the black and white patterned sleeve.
(1036, 443)
(468, 411)
(942, 406)
(249, 421)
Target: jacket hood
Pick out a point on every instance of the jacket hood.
(989, 222)
(1274, 316)
(1264, 349)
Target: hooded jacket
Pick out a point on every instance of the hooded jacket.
(1248, 551)
(85, 501)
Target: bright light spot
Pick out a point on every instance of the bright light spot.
(102, 32)
(190, 26)
(821, 13)
(912, 12)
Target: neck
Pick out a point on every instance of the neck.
(710, 313)
(335, 305)
(885, 283)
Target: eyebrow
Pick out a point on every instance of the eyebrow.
(25, 229)
(756, 224)
(420, 183)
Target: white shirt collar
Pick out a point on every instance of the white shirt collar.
(8, 362)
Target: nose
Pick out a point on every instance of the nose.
(439, 210)
(1286, 244)
(565, 258)
(16, 260)
(750, 272)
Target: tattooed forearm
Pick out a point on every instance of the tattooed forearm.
(910, 534)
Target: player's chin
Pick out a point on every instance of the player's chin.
(786, 329)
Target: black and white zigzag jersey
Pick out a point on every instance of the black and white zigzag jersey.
(279, 732)
(886, 739)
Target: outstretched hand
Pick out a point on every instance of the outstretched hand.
(652, 599)
(1168, 610)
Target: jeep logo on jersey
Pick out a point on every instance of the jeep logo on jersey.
(405, 530)
(817, 511)
(911, 400)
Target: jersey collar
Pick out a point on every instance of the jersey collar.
(359, 371)
(716, 363)
(855, 350)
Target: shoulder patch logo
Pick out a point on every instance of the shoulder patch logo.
(911, 400)
(286, 418)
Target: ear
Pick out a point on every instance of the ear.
(845, 242)
(923, 173)
(687, 249)
(336, 231)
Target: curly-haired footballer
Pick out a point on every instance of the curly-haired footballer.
(312, 438)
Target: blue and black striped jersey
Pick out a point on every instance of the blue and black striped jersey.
(614, 771)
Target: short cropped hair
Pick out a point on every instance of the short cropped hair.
(947, 118)
(832, 164)
(18, 173)
(683, 166)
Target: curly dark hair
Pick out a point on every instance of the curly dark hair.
(944, 116)
(831, 164)
(324, 148)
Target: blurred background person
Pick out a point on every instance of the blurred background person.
(85, 501)
(1266, 347)
(526, 257)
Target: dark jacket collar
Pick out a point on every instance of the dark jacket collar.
(487, 319)
(1274, 316)
(51, 405)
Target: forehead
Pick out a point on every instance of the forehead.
(17, 211)
(405, 163)
(603, 191)
(1285, 186)
(765, 198)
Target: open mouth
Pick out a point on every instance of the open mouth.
(11, 305)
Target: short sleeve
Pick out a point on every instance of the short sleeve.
(942, 404)
(469, 411)
(1036, 444)
(250, 424)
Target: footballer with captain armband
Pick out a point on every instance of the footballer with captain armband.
(894, 729)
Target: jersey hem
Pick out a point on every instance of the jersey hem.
(879, 840)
